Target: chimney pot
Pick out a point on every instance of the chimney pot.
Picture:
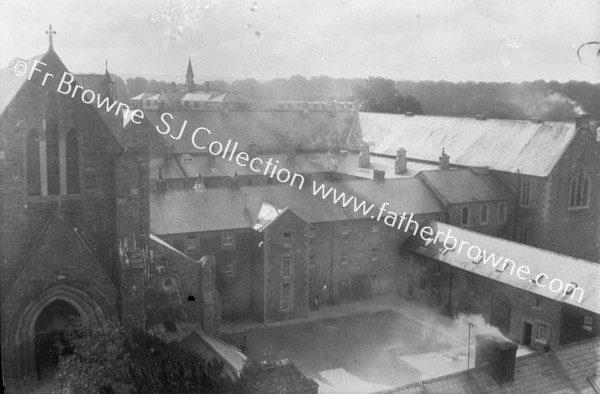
(364, 157)
(582, 121)
(444, 163)
(401, 162)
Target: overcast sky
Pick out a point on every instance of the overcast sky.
(487, 40)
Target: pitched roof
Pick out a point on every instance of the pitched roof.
(303, 163)
(189, 212)
(10, 83)
(565, 268)
(463, 186)
(217, 209)
(504, 145)
(568, 369)
(270, 130)
(408, 195)
(210, 347)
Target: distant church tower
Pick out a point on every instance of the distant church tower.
(108, 88)
(189, 77)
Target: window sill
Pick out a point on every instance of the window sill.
(578, 208)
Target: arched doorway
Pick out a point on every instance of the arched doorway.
(20, 340)
(50, 328)
(500, 313)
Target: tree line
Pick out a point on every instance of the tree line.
(548, 100)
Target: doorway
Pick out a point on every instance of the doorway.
(527, 331)
(50, 329)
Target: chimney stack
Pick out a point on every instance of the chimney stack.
(444, 163)
(480, 117)
(401, 161)
(408, 114)
(210, 160)
(252, 149)
(364, 157)
(582, 121)
(499, 354)
(379, 176)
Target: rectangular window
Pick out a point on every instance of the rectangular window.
(537, 303)
(287, 240)
(374, 253)
(312, 231)
(228, 239)
(437, 270)
(345, 228)
(286, 268)
(423, 263)
(502, 213)
(375, 227)
(286, 296)
(344, 258)
(483, 214)
(525, 192)
(374, 281)
(228, 270)
(190, 242)
(311, 285)
(227, 302)
(543, 332)
(588, 322)
(311, 260)
(423, 284)
(411, 258)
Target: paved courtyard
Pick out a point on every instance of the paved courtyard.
(361, 352)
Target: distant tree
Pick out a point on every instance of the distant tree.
(219, 86)
(378, 94)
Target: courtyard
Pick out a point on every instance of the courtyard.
(362, 352)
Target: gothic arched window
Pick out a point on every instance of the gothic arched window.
(52, 144)
(52, 159)
(32, 153)
(580, 190)
(72, 162)
(465, 216)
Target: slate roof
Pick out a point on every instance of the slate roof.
(270, 130)
(504, 145)
(209, 347)
(304, 163)
(464, 186)
(10, 83)
(218, 209)
(568, 269)
(568, 369)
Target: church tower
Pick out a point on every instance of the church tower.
(189, 77)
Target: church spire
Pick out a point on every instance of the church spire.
(189, 77)
(50, 33)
